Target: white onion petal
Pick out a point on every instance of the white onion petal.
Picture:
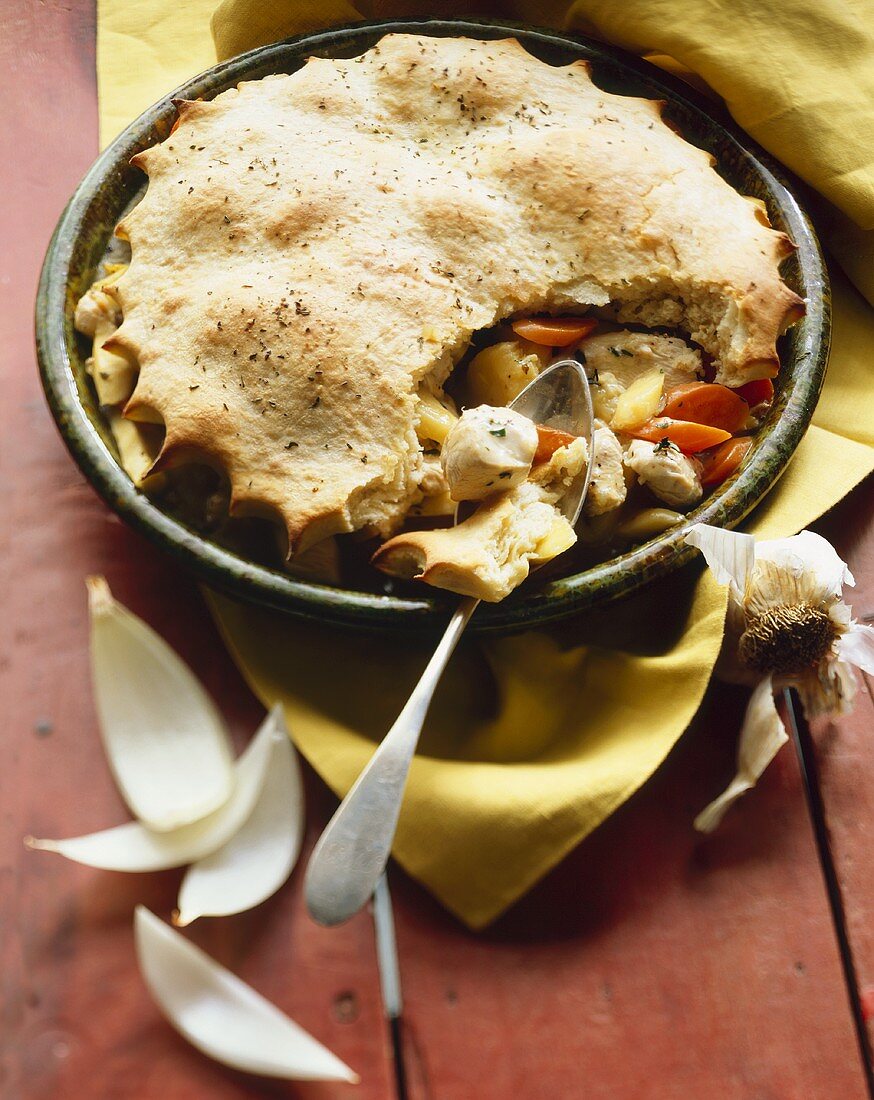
(134, 847)
(166, 742)
(762, 736)
(221, 1015)
(731, 555)
(258, 858)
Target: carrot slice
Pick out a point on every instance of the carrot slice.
(688, 436)
(707, 403)
(720, 463)
(554, 332)
(548, 442)
(759, 392)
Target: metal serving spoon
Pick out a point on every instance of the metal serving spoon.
(354, 848)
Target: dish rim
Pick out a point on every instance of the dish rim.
(557, 599)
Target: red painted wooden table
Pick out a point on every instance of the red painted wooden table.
(652, 963)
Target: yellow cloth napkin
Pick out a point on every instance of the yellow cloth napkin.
(533, 740)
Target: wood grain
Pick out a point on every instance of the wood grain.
(76, 1022)
(652, 963)
(844, 751)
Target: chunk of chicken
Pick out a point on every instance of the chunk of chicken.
(669, 474)
(607, 487)
(96, 309)
(320, 562)
(606, 390)
(488, 450)
(435, 499)
(620, 357)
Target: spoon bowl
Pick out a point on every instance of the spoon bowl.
(560, 398)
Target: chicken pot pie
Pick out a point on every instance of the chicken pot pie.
(318, 255)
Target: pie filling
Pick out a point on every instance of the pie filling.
(306, 358)
(664, 437)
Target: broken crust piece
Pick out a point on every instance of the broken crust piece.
(489, 554)
(313, 246)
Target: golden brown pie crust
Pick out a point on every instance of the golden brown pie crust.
(311, 246)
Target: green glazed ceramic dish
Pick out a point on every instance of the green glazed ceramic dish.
(86, 226)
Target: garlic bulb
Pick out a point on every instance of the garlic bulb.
(788, 627)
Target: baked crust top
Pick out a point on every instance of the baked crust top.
(312, 246)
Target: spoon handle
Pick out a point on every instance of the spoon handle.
(354, 848)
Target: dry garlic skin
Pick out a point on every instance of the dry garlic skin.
(487, 451)
(672, 476)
